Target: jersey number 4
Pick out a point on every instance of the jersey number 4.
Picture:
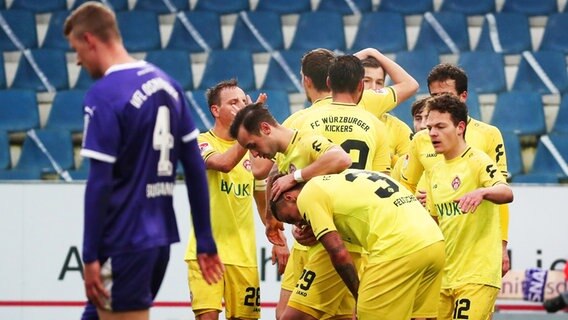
(163, 141)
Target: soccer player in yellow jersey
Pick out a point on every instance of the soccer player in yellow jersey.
(398, 131)
(231, 188)
(448, 78)
(406, 250)
(463, 192)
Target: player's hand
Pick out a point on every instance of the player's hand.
(304, 235)
(94, 288)
(470, 201)
(506, 263)
(262, 98)
(280, 255)
(211, 267)
(421, 196)
(281, 185)
(274, 232)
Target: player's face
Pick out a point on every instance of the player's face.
(86, 57)
(419, 120)
(232, 99)
(444, 134)
(446, 86)
(260, 146)
(374, 78)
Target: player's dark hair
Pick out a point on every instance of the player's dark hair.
(276, 205)
(315, 65)
(95, 18)
(449, 103)
(345, 74)
(447, 71)
(213, 94)
(371, 62)
(418, 106)
(250, 118)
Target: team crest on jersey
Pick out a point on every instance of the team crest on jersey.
(383, 91)
(247, 164)
(456, 183)
(204, 147)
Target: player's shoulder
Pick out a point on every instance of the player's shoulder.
(476, 156)
(421, 137)
(481, 127)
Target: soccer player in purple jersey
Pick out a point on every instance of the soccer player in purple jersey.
(137, 127)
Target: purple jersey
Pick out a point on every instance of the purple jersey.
(136, 118)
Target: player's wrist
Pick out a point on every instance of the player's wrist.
(298, 176)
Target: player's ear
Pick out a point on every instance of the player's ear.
(265, 127)
(214, 110)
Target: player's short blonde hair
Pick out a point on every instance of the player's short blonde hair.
(95, 18)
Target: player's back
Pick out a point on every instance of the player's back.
(137, 118)
(357, 131)
(371, 209)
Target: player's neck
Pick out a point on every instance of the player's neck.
(114, 54)
(344, 97)
(286, 136)
(318, 95)
(221, 131)
(457, 151)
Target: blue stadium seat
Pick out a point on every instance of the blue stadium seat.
(469, 7)
(43, 6)
(531, 7)
(284, 6)
(553, 63)
(5, 161)
(418, 64)
(485, 71)
(545, 168)
(139, 29)
(268, 25)
(23, 24)
(277, 78)
(561, 123)
(176, 63)
(514, 156)
(519, 112)
(207, 24)
(555, 37)
(227, 64)
(473, 107)
(325, 31)
(117, 5)
(53, 64)
(67, 111)
(84, 80)
(403, 111)
(514, 33)
(200, 113)
(20, 174)
(57, 142)
(278, 103)
(407, 7)
(18, 110)
(385, 31)
(81, 173)
(54, 38)
(223, 6)
(342, 7)
(3, 83)
(455, 25)
(160, 7)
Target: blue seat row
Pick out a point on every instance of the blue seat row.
(480, 7)
(383, 30)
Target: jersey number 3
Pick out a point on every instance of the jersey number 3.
(163, 141)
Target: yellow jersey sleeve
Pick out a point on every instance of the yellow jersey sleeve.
(378, 102)
(316, 209)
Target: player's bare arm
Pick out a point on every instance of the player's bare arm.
(498, 194)
(273, 227)
(226, 161)
(341, 260)
(333, 160)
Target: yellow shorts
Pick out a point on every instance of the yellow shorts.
(239, 289)
(404, 288)
(320, 291)
(470, 301)
(296, 262)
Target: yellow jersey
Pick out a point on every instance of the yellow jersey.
(231, 202)
(473, 240)
(368, 209)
